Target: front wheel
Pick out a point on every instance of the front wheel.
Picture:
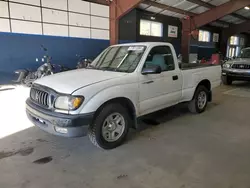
(110, 126)
(199, 103)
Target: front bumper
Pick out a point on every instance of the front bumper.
(56, 123)
(236, 74)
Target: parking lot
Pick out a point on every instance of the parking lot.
(177, 150)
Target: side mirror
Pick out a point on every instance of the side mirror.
(153, 69)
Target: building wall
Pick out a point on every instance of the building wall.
(65, 27)
(247, 40)
(127, 27)
(246, 43)
(205, 49)
(130, 31)
(166, 20)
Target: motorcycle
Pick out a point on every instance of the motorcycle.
(82, 62)
(27, 77)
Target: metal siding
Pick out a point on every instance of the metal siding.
(142, 6)
(4, 11)
(99, 34)
(199, 10)
(79, 20)
(218, 2)
(26, 27)
(99, 10)
(79, 32)
(185, 5)
(55, 16)
(98, 22)
(56, 4)
(30, 2)
(4, 25)
(79, 6)
(25, 12)
(154, 9)
(168, 13)
(55, 30)
(170, 2)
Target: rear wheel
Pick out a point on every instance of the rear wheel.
(226, 80)
(110, 127)
(200, 100)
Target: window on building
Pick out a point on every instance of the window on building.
(216, 37)
(151, 28)
(234, 40)
(234, 51)
(204, 36)
(242, 41)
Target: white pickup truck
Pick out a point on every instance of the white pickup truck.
(123, 83)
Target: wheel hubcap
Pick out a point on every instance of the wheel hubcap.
(113, 127)
(202, 100)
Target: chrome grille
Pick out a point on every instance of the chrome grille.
(241, 66)
(39, 97)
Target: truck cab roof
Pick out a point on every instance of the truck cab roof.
(148, 44)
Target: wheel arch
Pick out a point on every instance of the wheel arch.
(126, 103)
(207, 84)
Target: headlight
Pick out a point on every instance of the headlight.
(227, 65)
(68, 102)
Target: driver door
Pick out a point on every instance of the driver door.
(158, 91)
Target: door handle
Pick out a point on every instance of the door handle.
(175, 77)
(149, 82)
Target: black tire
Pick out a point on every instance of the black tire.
(226, 80)
(193, 104)
(95, 130)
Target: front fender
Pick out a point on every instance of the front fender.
(21, 75)
(21, 71)
(128, 91)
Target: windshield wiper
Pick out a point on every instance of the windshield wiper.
(111, 69)
(122, 61)
(106, 68)
(130, 65)
(110, 63)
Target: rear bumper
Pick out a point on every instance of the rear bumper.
(58, 124)
(237, 75)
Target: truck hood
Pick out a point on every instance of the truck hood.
(241, 61)
(68, 82)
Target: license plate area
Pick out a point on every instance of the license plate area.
(40, 121)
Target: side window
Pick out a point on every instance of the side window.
(162, 56)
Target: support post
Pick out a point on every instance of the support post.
(185, 40)
(118, 8)
(114, 23)
(223, 43)
(219, 11)
(209, 16)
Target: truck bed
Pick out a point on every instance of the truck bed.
(187, 66)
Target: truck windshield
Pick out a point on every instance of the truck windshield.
(119, 58)
(245, 53)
